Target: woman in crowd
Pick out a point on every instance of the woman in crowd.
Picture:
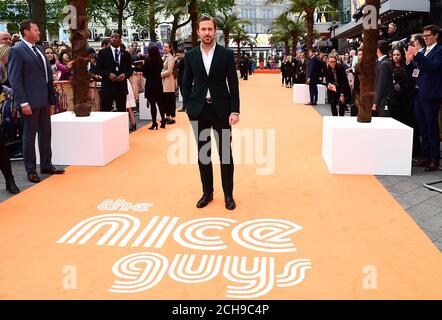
(152, 68)
(64, 65)
(5, 92)
(168, 79)
(50, 53)
(337, 85)
(289, 71)
(283, 73)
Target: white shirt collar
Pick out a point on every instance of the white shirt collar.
(210, 51)
(428, 50)
(30, 45)
(113, 48)
(380, 59)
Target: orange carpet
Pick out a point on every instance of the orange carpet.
(298, 232)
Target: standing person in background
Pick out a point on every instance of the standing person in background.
(338, 86)
(428, 72)
(313, 71)
(322, 68)
(168, 79)
(289, 71)
(384, 81)
(283, 71)
(114, 65)
(301, 69)
(179, 65)
(356, 88)
(5, 163)
(5, 38)
(31, 80)
(64, 65)
(50, 53)
(152, 68)
(402, 104)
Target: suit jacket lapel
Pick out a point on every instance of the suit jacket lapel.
(199, 57)
(214, 61)
(37, 60)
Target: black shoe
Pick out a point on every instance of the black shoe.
(133, 127)
(230, 203)
(33, 177)
(170, 121)
(204, 201)
(309, 104)
(154, 126)
(11, 186)
(163, 124)
(52, 170)
(182, 110)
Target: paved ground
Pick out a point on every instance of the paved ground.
(423, 205)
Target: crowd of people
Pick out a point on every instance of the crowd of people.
(408, 84)
(111, 66)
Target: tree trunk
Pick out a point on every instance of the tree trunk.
(152, 24)
(193, 12)
(294, 42)
(287, 46)
(175, 21)
(80, 79)
(120, 23)
(366, 69)
(37, 9)
(226, 39)
(309, 18)
(238, 56)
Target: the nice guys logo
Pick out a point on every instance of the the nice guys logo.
(250, 277)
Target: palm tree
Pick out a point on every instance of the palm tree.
(281, 36)
(366, 69)
(308, 7)
(239, 36)
(295, 28)
(229, 22)
(80, 79)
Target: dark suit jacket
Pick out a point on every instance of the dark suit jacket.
(106, 65)
(429, 81)
(342, 85)
(384, 83)
(313, 69)
(28, 78)
(196, 82)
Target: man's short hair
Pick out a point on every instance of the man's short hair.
(418, 37)
(115, 35)
(105, 43)
(206, 18)
(435, 30)
(25, 25)
(383, 46)
(180, 51)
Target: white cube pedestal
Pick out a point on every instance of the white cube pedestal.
(301, 93)
(144, 111)
(383, 147)
(88, 141)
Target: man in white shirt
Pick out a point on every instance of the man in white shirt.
(211, 99)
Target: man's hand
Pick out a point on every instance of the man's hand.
(234, 119)
(374, 108)
(121, 77)
(308, 81)
(27, 111)
(113, 77)
(411, 53)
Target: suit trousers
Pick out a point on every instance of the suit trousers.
(108, 97)
(313, 91)
(333, 99)
(427, 115)
(169, 101)
(5, 163)
(39, 121)
(202, 127)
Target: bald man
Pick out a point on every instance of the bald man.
(5, 38)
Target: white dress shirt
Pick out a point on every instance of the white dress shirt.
(207, 60)
(428, 50)
(119, 54)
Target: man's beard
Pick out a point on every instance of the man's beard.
(208, 40)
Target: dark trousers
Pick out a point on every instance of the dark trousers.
(333, 99)
(153, 102)
(427, 114)
(5, 164)
(202, 126)
(288, 81)
(39, 121)
(108, 98)
(169, 101)
(313, 91)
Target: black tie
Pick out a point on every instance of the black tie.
(40, 62)
(117, 63)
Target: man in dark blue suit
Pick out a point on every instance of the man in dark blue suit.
(428, 74)
(31, 80)
(313, 73)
